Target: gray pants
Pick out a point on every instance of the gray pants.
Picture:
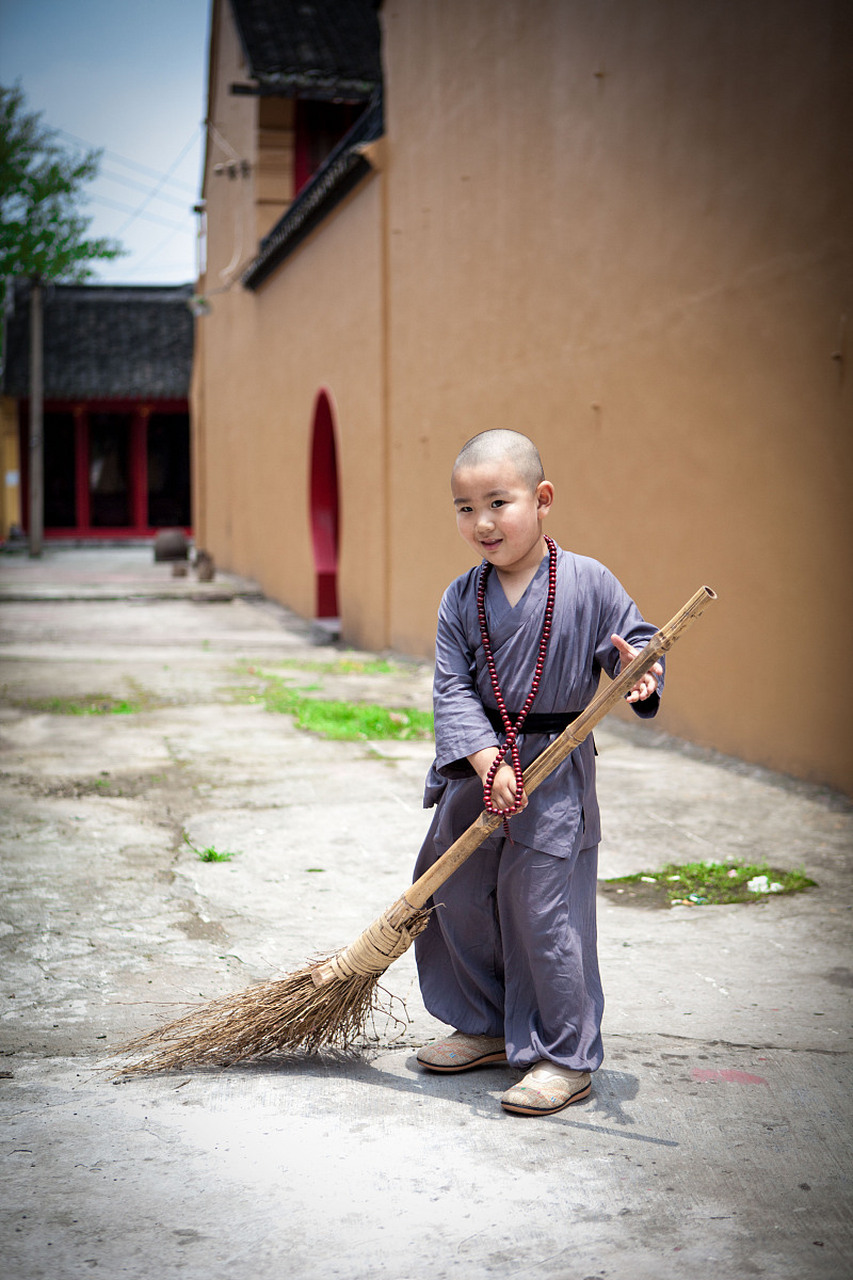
(511, 951)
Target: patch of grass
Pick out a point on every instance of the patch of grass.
(706, 884)
(344, 721)
(138, 699)
(344, 666)
(93, 704)
(210, 854)
(361, 721)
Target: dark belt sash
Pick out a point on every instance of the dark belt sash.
(534, 722)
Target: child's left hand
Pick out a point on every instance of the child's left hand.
(647, 684)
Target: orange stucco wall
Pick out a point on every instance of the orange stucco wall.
(314, 326)
(624, 229)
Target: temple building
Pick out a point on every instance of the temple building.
(116, 370)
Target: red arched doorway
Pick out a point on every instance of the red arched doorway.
(324, 507)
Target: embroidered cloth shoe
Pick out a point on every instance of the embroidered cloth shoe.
(545, 1089)
(460, 1052)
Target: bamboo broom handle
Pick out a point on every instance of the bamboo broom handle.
(605, 700)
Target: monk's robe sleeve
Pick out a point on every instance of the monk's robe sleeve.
(620, 616)
(461, 725)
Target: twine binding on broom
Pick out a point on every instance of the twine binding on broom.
(375, 949)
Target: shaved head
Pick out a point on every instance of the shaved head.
(503, 446)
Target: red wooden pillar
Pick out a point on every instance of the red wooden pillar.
(138, 469)
(81, 468)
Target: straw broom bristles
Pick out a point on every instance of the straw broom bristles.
(323, 1005)
(285, 1014)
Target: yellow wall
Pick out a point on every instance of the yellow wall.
(624, 229)
(10, 484)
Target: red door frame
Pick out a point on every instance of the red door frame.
(324, 507)
(139, 412)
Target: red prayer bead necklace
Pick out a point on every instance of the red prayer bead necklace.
(510, 745)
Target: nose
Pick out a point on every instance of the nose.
(484, 521)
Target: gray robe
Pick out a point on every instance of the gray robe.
(511, 948)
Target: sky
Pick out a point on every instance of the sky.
(127, 76)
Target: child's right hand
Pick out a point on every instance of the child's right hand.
(503, 789)
(503, 783)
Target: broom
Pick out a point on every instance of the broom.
(329, 1002)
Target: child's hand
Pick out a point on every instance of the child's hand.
(503, 783)
(647, 684)
(503, 789)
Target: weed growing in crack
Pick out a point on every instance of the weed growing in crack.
(210, 854)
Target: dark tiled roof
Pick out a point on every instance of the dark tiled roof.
(104, 342)
(342, 169)
(316, 48)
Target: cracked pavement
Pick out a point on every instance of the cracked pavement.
(716, 1141)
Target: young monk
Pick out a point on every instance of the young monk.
(509, 956)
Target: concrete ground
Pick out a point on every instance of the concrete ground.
(716, 1142)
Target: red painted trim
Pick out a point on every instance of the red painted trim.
(324, 507)
(107, 406)
(110, 406)
(114, 535)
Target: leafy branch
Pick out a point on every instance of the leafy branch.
(43, 234)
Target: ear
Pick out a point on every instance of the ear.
(544, 498)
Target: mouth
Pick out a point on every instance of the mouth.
(490, 544)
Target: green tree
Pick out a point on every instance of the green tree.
(42, 232)
(42, 236)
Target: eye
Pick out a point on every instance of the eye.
(463, 510)
(499, 502)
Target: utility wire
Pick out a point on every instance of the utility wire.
(109, 176)
(146, 258)
(137, 212)
(130, 164)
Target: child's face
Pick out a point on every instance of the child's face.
(499, 514)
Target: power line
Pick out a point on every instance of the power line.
(146, 258)
(131, 164)
(162, 180)
(180, 202)
(138, 212)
